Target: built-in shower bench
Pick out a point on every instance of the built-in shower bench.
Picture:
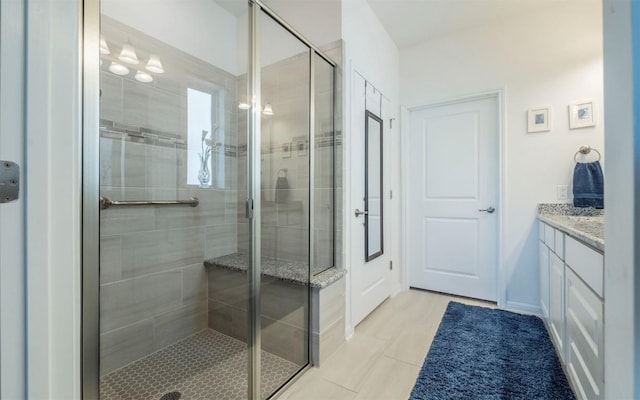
(284, 305)
(284, 270)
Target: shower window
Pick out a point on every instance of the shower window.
(205, 143)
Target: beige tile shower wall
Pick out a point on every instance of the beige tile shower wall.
(153, 285)
(153, 282)
(284, 312)
(335, 51)
(285, 229)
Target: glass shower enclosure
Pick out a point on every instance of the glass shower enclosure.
(209, 180)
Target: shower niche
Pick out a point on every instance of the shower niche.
(180, 157)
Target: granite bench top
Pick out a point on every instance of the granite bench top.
(584, 224)
(290, 271)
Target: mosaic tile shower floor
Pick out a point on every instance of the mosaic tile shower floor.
(208, 365)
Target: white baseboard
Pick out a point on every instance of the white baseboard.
(396, 290)
(349, 332)
(523, 308)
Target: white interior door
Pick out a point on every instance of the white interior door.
(452, 226)
(370, 280)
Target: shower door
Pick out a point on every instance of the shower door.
(173, 277)
(284, 197)
(200, 152)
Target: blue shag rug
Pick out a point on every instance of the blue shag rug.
(480, 353)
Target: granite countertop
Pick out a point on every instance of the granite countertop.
(584, 224)
(290, 271)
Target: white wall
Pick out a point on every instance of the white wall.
(371, 51)
(551, 57)
(201, 28)
(619, 194)
(319, 21)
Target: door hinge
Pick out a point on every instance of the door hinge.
(391, 123)
(249, 209)
(390, 194)
(391, 265)
(9, 181)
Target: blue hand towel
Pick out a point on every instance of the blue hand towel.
(282, 190)
(588, 185)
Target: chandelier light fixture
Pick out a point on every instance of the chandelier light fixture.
(143, 77)
(104, 47)
(118, 69)
(128, 54)
(154, 64)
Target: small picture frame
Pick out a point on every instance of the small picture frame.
(539, 120)
(286, 150)
(301, 148)
(582, 115)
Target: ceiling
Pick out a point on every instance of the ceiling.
(409, 22)
(234, 7)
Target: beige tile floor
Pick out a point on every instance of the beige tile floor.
(384, 356)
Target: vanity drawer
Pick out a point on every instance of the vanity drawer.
(585, 338)
(587, 263)
(559, 246)
(550, 236)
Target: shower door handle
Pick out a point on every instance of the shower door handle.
(359, 213)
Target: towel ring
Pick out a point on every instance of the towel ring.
(585, 150)
(283, 173)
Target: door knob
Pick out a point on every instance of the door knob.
(489, 210)
(359, 213)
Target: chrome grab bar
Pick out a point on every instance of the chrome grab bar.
(105, 202)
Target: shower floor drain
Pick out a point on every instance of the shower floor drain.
(171, 396)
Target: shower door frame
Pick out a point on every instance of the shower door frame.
(90, 334)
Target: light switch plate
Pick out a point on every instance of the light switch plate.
(561, 192)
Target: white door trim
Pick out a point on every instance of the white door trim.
(12, 260)
(346, 193)
(52, 196)
(500, 95)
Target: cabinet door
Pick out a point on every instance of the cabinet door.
(585, 341)
(544, 280)
(556, 302)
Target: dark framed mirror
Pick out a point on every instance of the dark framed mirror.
(373, 238)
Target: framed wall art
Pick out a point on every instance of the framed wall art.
(539, 120)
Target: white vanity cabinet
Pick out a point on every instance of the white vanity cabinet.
(556, 319)
(584, 289)
(585, 341)
(544, 280)
(572, 303)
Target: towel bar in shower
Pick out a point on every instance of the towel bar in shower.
(105, 202)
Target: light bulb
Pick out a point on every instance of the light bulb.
(104, 47)
(118, 69)
(244, 106)
(142, 76)
(154, 64)
(128, 54)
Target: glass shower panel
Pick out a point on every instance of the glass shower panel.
(173, 283)
(285, 168)
(324, 162)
